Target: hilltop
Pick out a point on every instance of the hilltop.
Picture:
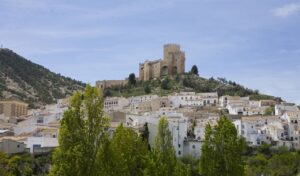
(186, 82)
(22, 79)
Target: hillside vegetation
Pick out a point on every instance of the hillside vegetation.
(186, 82)
(30, 82)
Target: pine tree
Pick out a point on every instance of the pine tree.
(81, 135)
(145, 135)
(132, 79)
(222, 150)
(194, 70)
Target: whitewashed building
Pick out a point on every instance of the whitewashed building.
(115, 103)
(280, 109)
(178, 126)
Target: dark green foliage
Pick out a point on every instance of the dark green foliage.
(162, 160)
(165, 84)
(34, 79)
(107, 93)
(193, 163)
(132, 79)
(257, 165)
(127, 154)
(265, 149)
(278, 161)
(285, 164)
(163, 156)
(190, 82)
(82, 132)
(24, 165)
(145, 133)
(222, 150)
(194, 70)
(147, 89)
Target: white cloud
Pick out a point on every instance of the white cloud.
(287, 10)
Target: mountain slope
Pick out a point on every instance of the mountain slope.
(30, 82)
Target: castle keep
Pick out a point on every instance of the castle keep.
(173, 63)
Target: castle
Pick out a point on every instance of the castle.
(173, 63)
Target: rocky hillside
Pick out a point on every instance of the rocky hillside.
(30, 82)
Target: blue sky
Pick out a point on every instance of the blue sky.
(253, 42)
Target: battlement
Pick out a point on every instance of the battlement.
(173, 63)
(172, 46)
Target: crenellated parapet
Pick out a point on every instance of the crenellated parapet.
(173, 63)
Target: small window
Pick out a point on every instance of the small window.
(194, 146)
(179, 145)
(18, 146)
(179, 152)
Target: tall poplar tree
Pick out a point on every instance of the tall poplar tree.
(129, 152)
(222, 150)
(163, 159)
(83, 128)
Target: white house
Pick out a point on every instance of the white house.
(178, 126)
(191, 99)
(115, 103)
(280, 109)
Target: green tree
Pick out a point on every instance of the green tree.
(222, 150)
(20, 166)
(132, 79)
(145, 135)
(207, 163)
(129, 152)
(269, 111)
(194, 70)
(147, 89)
(3, 163)
(285, 164)
(163, 160)
(257, 165)
(182, 169)
(165, 84)
(82, 131)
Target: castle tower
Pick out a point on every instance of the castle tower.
(181, 63)
(141, 71)
(173, 63)
(174, 59)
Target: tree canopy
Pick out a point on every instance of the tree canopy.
(222, 150)
(194, 70)
(132, 79)
(82, 131)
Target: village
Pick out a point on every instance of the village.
(259, 121)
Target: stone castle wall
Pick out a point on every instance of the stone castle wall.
(110, 83)
(173, 63)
